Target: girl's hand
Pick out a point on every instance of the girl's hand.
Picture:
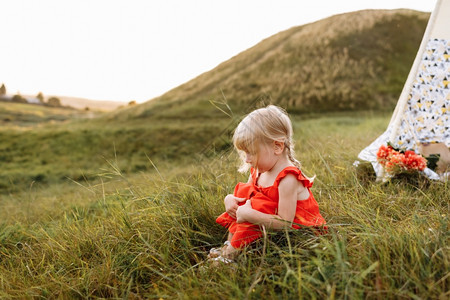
(231, 204)
(243, 211)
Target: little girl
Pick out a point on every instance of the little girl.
(276, 195)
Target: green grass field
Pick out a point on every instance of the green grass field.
(123, 204)
(146, 233)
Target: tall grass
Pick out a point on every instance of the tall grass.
(147, 235)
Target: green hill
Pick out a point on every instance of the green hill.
(351, 61)
(346, 62)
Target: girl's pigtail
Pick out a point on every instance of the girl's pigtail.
(290, 151)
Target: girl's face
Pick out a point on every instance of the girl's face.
(264, 160)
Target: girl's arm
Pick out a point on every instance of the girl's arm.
(287, 189)
(232, 203)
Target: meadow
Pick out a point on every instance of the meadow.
(123, 204)
(145, 234)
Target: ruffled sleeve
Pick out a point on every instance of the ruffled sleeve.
(297, 173)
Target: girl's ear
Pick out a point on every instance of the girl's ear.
(278, 147)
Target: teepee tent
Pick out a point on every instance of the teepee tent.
(422, 114)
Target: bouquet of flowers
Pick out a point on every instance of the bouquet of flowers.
(395, 161)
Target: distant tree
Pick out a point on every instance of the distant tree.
(54, 101)
(2, 90)
(19, 99)
(40, 97)
(132, 102)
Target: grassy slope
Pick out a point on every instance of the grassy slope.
(147, 235)
(39, 144)
(357, 60)
(81, 149)
(352, 61)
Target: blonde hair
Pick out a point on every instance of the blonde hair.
(262, 126)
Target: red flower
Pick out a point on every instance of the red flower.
(395, 162)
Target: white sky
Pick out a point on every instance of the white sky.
(127, 50)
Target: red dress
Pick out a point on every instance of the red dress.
(265, 200)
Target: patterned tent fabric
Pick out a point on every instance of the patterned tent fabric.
(427, 116)
(422, 114)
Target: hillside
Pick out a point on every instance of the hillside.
(351, 61)
(346, 62)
